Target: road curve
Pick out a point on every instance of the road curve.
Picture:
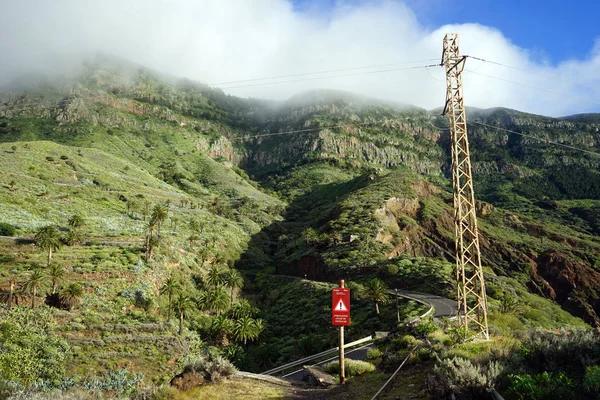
(444, 308)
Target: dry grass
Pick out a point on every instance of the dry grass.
(246, 389)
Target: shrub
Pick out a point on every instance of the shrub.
(214, 366)
(461, 375)
(374, 354)
(542, 386)
(404, 342)
(30, 351)
(591, 381)
(7, 229)
(546, 351)
(351, 367)
(425, 327)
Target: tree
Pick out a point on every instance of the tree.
(13, 186)
(170, 288)
(246, 329)
(182, 304)
(375, 290)
(55, 273)
(146, 208)
(216, 300)
(76, 222)
(72, 237)
(215, 276)
(243, 308)
(152, 242)
(311, 236)
(72, 295)
(48, 239)
(234, 280)
(132, 207)
(34, 281)
(222, 327)
(159, 215)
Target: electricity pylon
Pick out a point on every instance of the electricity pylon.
(472, 307)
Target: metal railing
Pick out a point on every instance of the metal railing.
(315, 356)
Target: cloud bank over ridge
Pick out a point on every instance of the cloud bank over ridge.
(220, 41)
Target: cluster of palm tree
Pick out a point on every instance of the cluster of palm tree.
(38, 278)
(48, 238)
(231, 319)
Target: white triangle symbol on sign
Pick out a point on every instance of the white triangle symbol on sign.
(341, 306)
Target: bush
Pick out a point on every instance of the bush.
(425, 327)
(351, 367)
(542, 386)
(214, 366)
(462, 376)
(374, 354)
(30, 350)
(7, 229)
(591, 381)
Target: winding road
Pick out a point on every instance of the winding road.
(443, 308)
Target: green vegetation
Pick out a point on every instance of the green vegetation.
(147, 196)
(351, 367)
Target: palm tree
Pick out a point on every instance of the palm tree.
(216, 300)
(76, 222)
(48, 239)
(146, 208)
(170, 288)
(72, 295)
(203, 254)
(375, 290)
(234, 280)
(72, 238)
(215, 276)
(181, 304)
(151, 243)
(34, 281)
(243, 308)
(222, 327)
(55, 273)
(246, 329)
(159, 215)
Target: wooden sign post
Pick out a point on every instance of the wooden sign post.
(340, 316)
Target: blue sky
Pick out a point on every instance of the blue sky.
(553, 30)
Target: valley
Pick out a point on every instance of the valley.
(204, 232)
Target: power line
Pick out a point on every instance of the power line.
(524, 135)
(332, 76)
(320, 72)
(537, 138)
(534, 87)
(305, 130)
(557, 78)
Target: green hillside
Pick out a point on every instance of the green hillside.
(249, 210)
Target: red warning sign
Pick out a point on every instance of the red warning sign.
(340, 306)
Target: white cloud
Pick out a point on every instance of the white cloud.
(226, 40)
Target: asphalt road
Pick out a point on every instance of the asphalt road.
(444, 307)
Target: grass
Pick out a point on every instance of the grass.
(236, 389)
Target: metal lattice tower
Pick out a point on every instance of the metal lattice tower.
(472, 306)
